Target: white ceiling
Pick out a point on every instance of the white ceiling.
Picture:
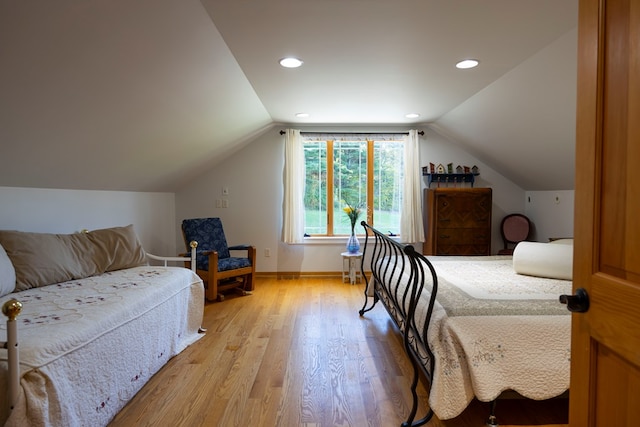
(145, 95)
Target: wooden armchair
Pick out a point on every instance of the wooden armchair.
(216, 267)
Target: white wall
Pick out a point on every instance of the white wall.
(254, 178)
(69, 211)
(551, 213)
(507, 197)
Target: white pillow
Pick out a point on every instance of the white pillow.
(7, 274)
(566, 241)
(554, 261)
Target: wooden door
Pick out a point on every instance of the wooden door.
(605, 353)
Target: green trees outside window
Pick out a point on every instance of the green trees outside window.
(364, 174)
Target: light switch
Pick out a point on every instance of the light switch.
(225, 203)
(225, 191)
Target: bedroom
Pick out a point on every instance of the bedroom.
(62, 176)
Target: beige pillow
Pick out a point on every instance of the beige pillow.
(117, 248)
(41, 259)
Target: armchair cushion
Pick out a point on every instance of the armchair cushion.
(209, 234)
(233, 263)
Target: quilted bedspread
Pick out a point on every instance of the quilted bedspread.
(87, 346)
(494, 330)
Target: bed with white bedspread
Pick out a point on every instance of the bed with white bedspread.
(488, 329)
(88, 345)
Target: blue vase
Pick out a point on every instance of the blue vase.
(353, 245)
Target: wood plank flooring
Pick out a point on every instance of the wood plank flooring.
(296, 353)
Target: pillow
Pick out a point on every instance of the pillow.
(554, 261)
(7, 274)
(41, 259)
(117, 248)
(566, 241)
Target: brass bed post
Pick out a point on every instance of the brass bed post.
(12, 309)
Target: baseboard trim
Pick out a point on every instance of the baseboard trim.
(292, 275)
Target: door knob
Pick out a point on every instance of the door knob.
(578, 303)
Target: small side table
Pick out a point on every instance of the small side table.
(352, 272)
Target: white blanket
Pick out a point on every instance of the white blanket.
(494, 330)
(87, 346)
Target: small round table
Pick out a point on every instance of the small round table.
(352, 272)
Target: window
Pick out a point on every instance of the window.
(363, 172)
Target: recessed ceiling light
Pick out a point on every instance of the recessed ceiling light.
(412, 115)
(290, 62)
(467, 63)
(302, 115)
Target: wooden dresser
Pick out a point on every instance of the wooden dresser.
(457, 221)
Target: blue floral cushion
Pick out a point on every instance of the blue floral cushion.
(233, 263)
(208, 233)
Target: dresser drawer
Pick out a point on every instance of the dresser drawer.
(463, 250)
(463, 210)
(458, 221)
(461, 236)
(461, 219)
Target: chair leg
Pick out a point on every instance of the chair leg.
(240, 291)
(212, 293)
(248, 284)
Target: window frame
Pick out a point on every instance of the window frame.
(370, 183)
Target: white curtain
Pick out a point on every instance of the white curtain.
(411, 228)
(294, 177)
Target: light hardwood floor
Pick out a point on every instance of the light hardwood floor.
(296, 353)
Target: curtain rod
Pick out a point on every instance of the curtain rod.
(421, 133)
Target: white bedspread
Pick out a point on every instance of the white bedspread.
(494, 330)
(87, 346)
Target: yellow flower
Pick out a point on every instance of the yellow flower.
(353, 214)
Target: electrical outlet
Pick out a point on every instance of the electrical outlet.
(218, 203)
(267, 252)
(225, 203)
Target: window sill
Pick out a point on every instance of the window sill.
(334, 240)
(328, 240)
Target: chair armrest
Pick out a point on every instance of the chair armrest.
(239, 247)
(207, 252)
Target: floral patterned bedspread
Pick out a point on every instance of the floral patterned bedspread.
(87, 346)
(494, 330)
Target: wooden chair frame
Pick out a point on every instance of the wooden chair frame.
(212, 277)
(217, 282)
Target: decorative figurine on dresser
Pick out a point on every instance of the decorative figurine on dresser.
(457, 221)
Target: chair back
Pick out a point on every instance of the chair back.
(515, 228)
(209, 234)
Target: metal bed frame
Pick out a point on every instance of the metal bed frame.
(395, 260)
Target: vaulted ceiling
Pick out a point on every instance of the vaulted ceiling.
(144, 95)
